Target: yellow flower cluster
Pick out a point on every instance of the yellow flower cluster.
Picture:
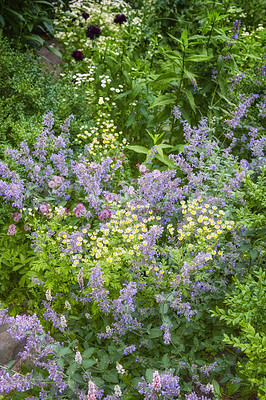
(102, 139)
(202, 221)
(126, 231)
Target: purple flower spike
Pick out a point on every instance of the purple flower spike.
(78, 55)
(93, 31)
(85, 15)
(120, 18)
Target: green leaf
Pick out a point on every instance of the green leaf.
(63, 351)
(131, 119)
(253, 254)
(88, 363)
(216, 387)
(136, 89)
(160, 151)
(233, 388)
(71, 384)
(110, 377)
(165, 160)
(198, 58)
(10, 364)
(34, 38)
(166, 79)
(155, 332)
(166, 361)
(174, 38)
(88, 352)
(138, 149)
(190, 99)
(55, 51)
(2, 21)
(149, 374)
(163, 100)
(43, 2)
(18, 15)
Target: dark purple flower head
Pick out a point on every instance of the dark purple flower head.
(120, 18)
(78, 55)
(85, 15)
(93, 31)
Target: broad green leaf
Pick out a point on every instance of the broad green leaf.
(136, 89)
(216, 387)
(160, 151)
(190, 99)
(18, 15)
(139, 149)
(165, 160)
(198, 58)
(162, 101)
(35, 38)
(166, 77)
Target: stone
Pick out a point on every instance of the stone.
(9, 347)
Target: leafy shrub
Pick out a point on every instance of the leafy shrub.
(26, 20)
(245, 311)
(27, 93)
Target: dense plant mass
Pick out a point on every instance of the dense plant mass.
(133, 202)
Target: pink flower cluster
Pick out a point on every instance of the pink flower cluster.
(46, 209)
(91, 391)
(57, 180)
(79, 210)
(104, 214)
(12, 230)
(16, 216)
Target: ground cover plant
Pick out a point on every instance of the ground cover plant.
(135, 230)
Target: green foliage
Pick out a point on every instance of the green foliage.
(27, 92)
(15, 261)
(27, 20)
(245, 311)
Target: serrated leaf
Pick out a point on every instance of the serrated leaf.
(149, 374)
(155, 332)
(110, 377)
(87, 363)
(88, 352)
